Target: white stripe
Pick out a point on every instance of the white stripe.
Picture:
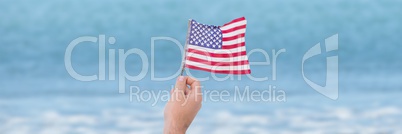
(244, 22)
(237, 41)
(217, 51)
(234, 33)
(220, 68)
(215, 59)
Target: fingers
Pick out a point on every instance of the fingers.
(182, 92)
(194, 83)
(195, 92)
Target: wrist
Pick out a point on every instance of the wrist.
(171, 128)
(173, 131)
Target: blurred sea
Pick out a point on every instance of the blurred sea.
(37, 95)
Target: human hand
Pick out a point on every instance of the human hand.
(183, 105)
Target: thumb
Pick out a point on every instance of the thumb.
(179, 89)
(181, 83)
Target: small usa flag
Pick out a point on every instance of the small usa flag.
(218, 49)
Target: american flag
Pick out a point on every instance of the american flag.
(218, 49)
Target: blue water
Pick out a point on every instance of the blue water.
(37, 95)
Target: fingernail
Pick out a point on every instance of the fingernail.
(181, 78)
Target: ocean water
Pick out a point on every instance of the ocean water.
(38, 95)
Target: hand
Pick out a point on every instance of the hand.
(183, 105)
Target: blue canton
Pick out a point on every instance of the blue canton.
(208, 36)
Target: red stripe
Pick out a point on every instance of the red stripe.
(233, 46)
(226, 55)
(233, 29)
(214, 63)
(235, 20)
(221, 71)
(233, 37)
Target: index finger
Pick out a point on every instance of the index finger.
(193, 82)
(195, 92)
